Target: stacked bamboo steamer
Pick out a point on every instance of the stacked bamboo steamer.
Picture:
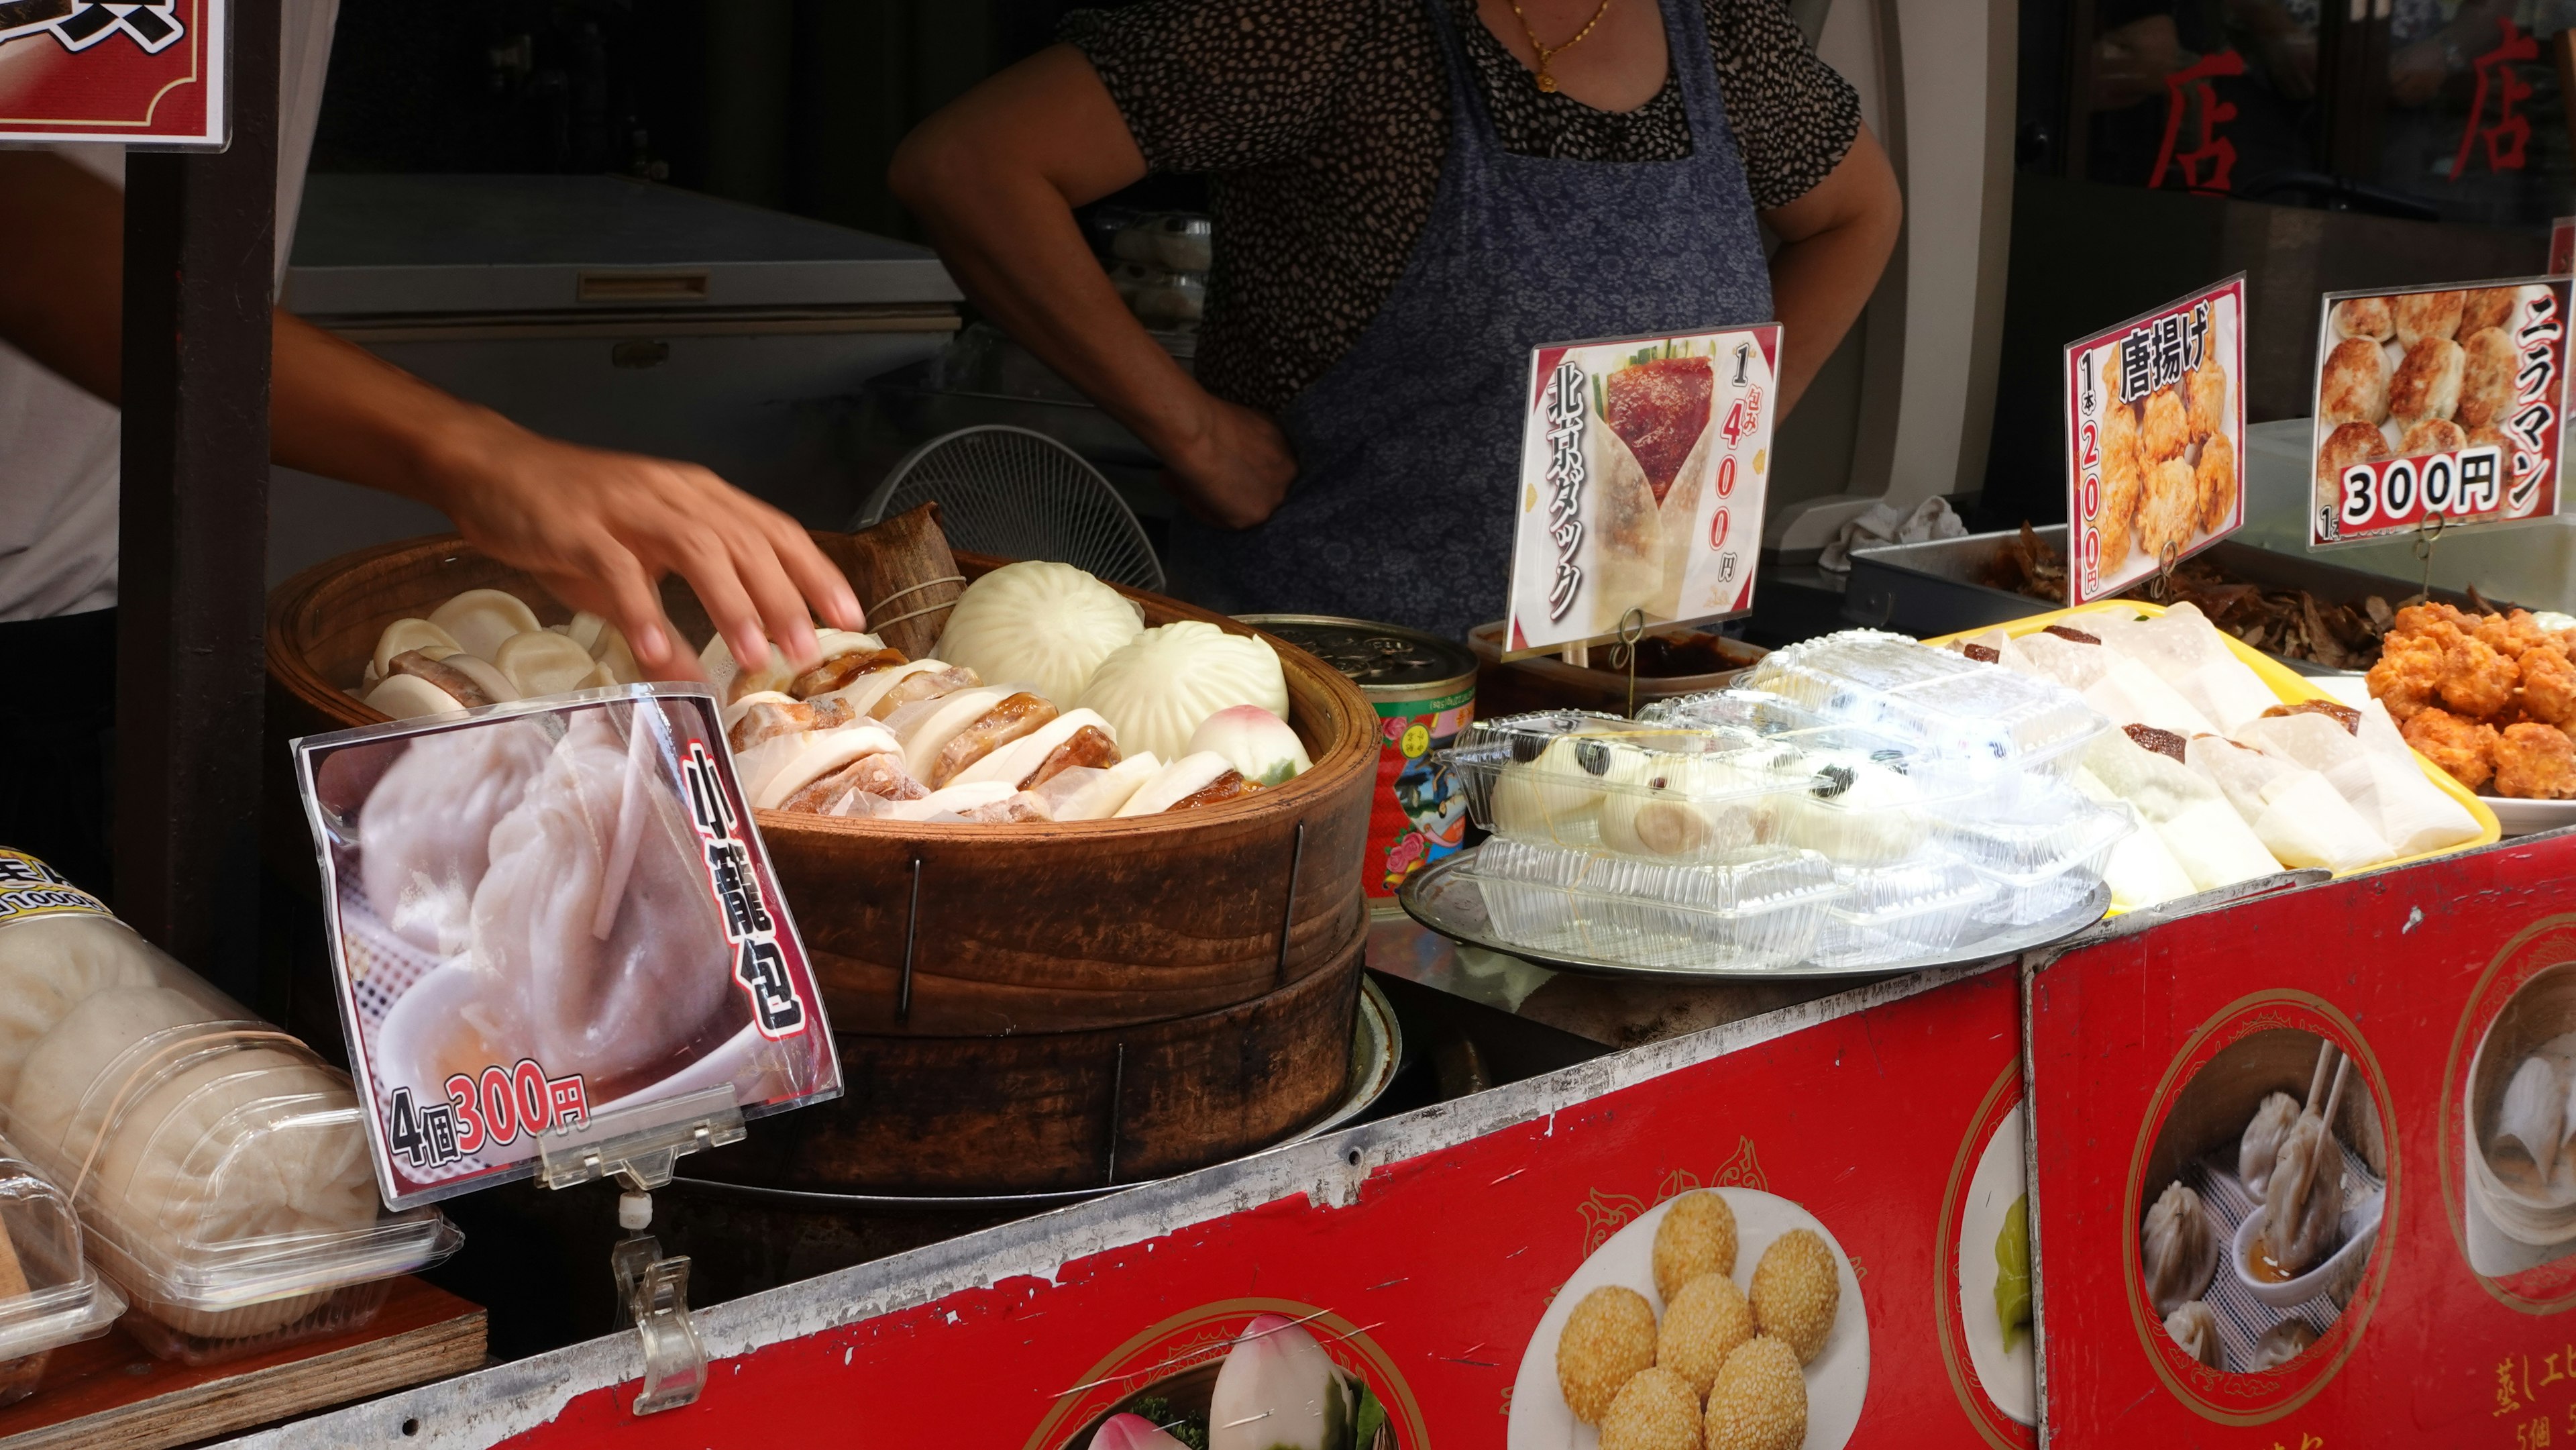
(1019, 1008)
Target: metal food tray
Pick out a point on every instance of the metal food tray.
(1930, 588)
(1443, 898)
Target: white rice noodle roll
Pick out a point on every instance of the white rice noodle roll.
(1183, 777)
(403, 635)
(540, 663)
(2411, 814)
(409, 697)
(2207, 837)
(2189, 653)
(926, 726)
(1089, 793)
(2300, 819)
(1016, 761)
(480, 619)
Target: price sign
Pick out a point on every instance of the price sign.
(549, 920)
(2155, 438)
(149, 74)
(1643, 467)
(2438, 402)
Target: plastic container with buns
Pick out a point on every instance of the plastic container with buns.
(220, 1168)
(50, 1296)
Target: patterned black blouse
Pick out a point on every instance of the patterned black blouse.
(1324, 124)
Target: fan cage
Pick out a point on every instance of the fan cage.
(1020, 494)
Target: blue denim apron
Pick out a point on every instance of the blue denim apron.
(1409, 446)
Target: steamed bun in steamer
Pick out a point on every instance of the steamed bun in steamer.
(1158, 687)
(480, 619)
(1048, 624)
(594, 921)
(425, 832)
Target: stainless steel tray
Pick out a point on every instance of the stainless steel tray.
(1930, 588)
(1443, 898)
(1377, 1050)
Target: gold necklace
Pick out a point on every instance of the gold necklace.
(1547, 53)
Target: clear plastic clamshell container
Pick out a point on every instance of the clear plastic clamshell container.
(2043, 850)
(1918, 907)
(1979, 721)
(1758, 711)
(1760, 908)
(221, 1168)
(50, 1296)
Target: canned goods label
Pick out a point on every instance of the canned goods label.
(29, 887)
(1418, 814)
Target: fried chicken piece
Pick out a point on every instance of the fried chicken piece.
(2216, 472)
(2206, 387)
(2118, 520)
(2407, 675)
(2168, 511)
(2535, 762)
(2516, 634)
(2548, 687)
(2477, 681)
(2465, 748)
(2165, 431)
(2442, 621)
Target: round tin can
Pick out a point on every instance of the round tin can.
(1424, 688)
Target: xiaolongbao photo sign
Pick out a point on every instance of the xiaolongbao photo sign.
(2155, 435)
(2260, 1179)
(1643, 463)
(2438, 403)
(150, 74)
(549, 914)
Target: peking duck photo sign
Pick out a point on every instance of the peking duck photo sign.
(552, 927)
(1643, 467)
(149, 75)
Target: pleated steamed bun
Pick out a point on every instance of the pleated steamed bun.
(1040, 624)
(1157, 688)
(48, 966)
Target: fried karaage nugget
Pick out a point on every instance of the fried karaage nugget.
(2165, 432)
(2117, 521)
(2217, 474)
(2465, 748)
(2168, 510)
(2407, 675)
(2535, 762)
(2477, 681)
(2548, 686)
(2433, 617)
(2207, 387)
(2514, 634)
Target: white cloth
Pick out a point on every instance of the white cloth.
(58, 444)
(1880, 524)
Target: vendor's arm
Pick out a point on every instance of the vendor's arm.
(598, 528)
(995, 178)
(1834, 242)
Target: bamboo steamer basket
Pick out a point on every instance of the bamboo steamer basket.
(926, 938)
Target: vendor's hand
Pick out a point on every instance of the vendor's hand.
(1235, 470)
(601, 529)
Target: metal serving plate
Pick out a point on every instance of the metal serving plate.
(1931, 588)
(1377, 1049)
(1442, 897)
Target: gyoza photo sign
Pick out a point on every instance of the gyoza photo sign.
(2445, 401)
(1643, 465)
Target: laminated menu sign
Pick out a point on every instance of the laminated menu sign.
(551, 917)
(2155, 440)
(1643, 466)
(2302, 1194)
(149, 74)
(2438, 403)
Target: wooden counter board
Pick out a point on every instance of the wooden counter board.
(109, 1394)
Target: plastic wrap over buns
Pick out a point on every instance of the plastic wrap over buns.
(1160, 686)
(1049, 625)
(428, 824)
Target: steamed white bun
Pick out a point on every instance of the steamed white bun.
(1047, 625)
(1157, 688)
